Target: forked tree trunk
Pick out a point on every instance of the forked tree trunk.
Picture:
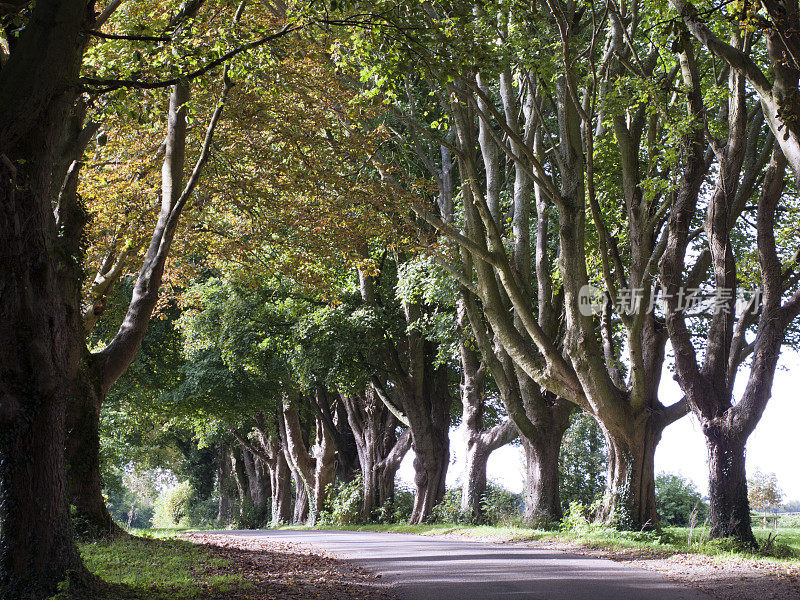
(379, 450)
(545, 421)
(729, 504)
(313, 472)
(480, 443)
(332, 413)
(273, 457)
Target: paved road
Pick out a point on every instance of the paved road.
(419, 567)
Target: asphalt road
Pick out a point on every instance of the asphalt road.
(416, 567)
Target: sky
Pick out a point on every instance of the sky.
(773, 447)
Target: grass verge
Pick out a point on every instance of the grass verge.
(137, 568)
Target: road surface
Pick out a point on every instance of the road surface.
(416, 567)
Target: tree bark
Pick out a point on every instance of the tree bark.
(729, 504)
(258, 479)
(269, 449)
(302, 505)
(629, 501)
(38, 353)
(425, 400)
(386, 470)
(281, 480)
(226, 484)
(542, 498)
(84, 483)
(333, 416)
(314, 471)
(479, 448)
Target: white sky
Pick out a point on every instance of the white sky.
(773, 447)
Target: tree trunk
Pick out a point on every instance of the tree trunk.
(386, 470)
(258, 479)
(347, 452)
(480, 443)
(38, 549)
(226, 484)
(542, 499)
(333, 416)
(630, 501)
(239, 474)
(302, 509)
(281, 480)
(474, 487)
(300, 463)
(324, 453)
(84, 483)
(730, 507)
(542, 424)
(428, 410)
(38, 353)
(379, 451)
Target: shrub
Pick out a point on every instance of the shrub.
(449, 509)
(399, 509)
(246, 516)
(172, 505)
(577, 518)
(676, 498)
(344, 504)
(201, 513)
(178, 506)
(500, 506)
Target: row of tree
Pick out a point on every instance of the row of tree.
(526, 149)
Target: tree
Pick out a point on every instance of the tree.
(707, 375)
(100, 370)
(38, 326)
(481, 440)
(582, 462)
(678, 500)
(532, 101)
(763, 492)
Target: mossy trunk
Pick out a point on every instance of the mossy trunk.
(730, 507)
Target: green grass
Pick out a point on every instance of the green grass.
(671, 540)
(157, 569)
